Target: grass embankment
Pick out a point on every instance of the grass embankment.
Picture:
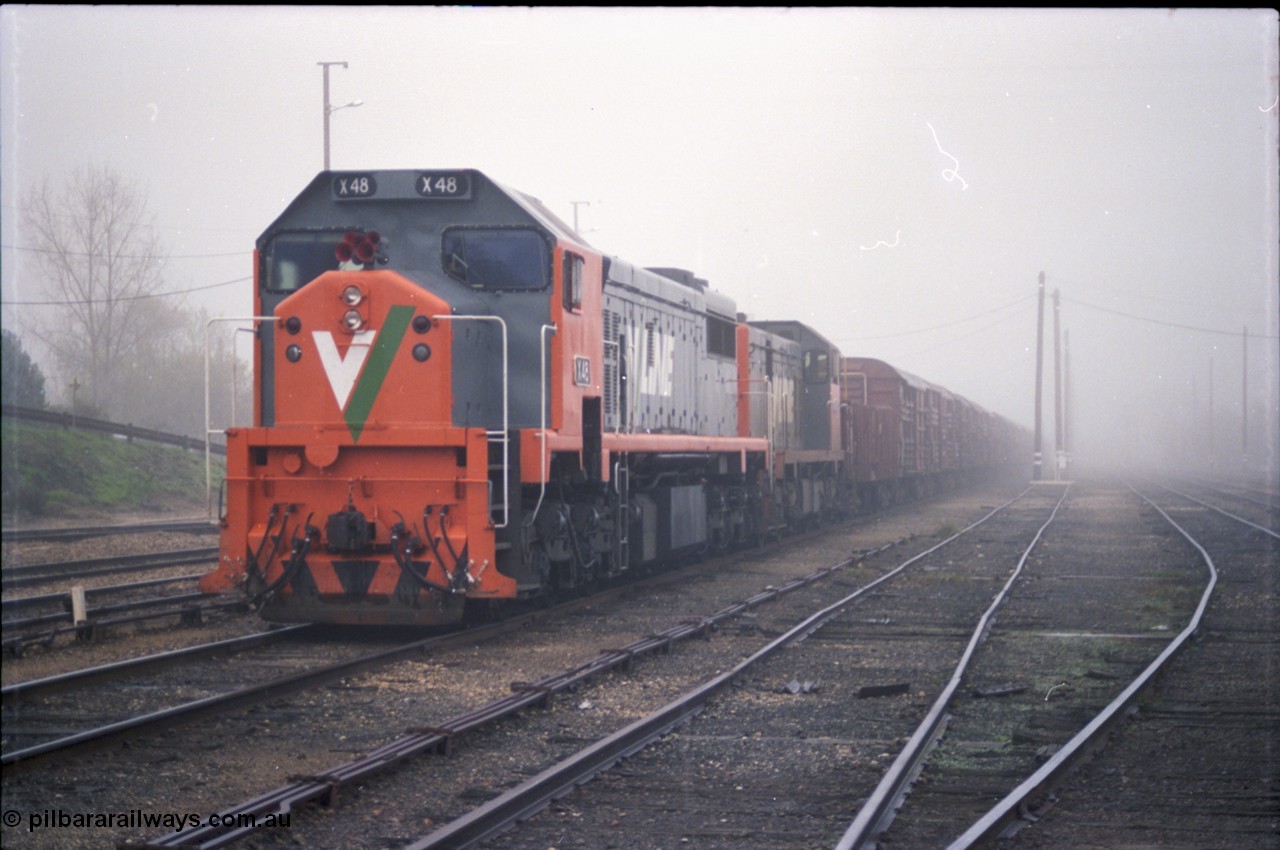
(52, 472)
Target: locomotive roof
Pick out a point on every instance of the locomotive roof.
(318, 198)
(672, 289)
(545, 217)
(791, 329)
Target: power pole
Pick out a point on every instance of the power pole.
(327, 109)
(577, 204)
(1213, 448)
(1057, 391)
(1036, 465)
(1244, 402)
(1068, 426)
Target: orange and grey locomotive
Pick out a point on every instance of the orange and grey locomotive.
(460, 403)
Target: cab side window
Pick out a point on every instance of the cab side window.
(572, 280)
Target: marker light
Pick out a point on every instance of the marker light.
(293, 353)
(293, 324)
(421, 352)
(361, 247)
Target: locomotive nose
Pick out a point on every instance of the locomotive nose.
(370, 339)
(362, 501)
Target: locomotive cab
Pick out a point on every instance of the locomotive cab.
(419, 321)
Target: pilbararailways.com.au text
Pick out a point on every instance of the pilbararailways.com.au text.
(139, 819)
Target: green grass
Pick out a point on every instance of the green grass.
(67, 473)
(946, 530)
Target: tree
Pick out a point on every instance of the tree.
(100, 258)
(163, 385)
(23, 382)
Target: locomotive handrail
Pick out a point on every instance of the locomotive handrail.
(505, 434)
(542, 412)
(208, 431)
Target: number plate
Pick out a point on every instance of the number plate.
(449, 185)
(582, 371)
(351, 186)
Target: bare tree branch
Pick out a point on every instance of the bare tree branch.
(98, 252)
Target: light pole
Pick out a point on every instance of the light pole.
(329, 110)
(577, 204)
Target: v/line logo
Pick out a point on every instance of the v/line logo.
(357, 376)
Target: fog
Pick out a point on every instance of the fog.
(897, 179)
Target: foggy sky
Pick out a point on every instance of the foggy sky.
(898, 179)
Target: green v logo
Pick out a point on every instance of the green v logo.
(356, 378)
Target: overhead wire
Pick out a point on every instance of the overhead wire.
(141, 297)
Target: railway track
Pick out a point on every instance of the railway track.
(1197, 763)
(42, 719)
(47, 617)
(1259, 510)
(786, 751)
(48, 718)
(41, 618)
(255, 748)
(771, 763)
(446, 733)
(37, 575)
(67, 533)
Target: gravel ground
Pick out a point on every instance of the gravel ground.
(116, 642)
(205, 768)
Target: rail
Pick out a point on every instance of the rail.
(1010, 808)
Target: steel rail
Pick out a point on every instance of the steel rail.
(1040, 784)
(198, 526)
(1226, 513)
(324, 786)
(64, 596)
(877, 812)
(33, 574)
(531, 796)
(525, 695)
(93, 613)
(33, 688)
(218, 703)
(194, 612)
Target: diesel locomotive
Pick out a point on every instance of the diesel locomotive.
(460, 403)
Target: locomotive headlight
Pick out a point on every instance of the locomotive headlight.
(351, 296)
(293, 353)
(352, 320)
